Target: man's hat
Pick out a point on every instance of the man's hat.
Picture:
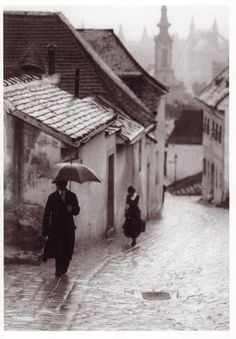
(60, 182)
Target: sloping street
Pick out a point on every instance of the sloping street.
(175, 278)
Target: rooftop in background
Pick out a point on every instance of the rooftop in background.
(112, 51)
(127, 129)
(188, 128)
(107, 45)
(213, 94)
(44, 105)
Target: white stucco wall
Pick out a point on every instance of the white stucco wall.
(188, 162)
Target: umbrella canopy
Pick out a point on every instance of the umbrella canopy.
(73, 172)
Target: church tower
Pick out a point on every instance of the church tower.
(163, 51)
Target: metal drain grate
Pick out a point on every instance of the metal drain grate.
(161, 295)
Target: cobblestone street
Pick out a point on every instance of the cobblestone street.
(185, 254)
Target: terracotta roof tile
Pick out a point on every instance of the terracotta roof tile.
(75, 119)
(108, 47)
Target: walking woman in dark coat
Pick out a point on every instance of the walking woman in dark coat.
(59, 228)
(132, 225)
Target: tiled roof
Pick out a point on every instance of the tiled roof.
(20, 79)
(24, 29)
(128, 129)
(217, 90)
(43, 102)
(114, 53)
(188, 128)
(106, 44)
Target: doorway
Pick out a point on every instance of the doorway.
(148, 188)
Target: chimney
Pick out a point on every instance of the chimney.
(51, 58)
(76, 89)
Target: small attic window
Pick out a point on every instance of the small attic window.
(227, 83)
(31, 61)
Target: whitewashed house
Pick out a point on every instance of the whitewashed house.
(215, 103)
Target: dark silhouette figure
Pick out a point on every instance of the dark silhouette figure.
(59, 228)
(132, 225)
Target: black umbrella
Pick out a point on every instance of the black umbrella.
(73, 172)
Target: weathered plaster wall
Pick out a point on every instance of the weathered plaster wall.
(28, 153)
(92, 220)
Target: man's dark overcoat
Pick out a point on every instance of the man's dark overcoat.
(58, 225)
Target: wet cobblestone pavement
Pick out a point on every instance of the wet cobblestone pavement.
(185, 254)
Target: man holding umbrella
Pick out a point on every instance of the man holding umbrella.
(58, 226)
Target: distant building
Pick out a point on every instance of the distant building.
(185, 151)
(163, 51)
(215, 103)
(196, 60)
(200, 56)
(163, 69)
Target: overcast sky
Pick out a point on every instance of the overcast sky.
(134, 18)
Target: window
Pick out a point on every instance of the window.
(213, 130)
(204, 166)
(208, 169)
(216, 132)
(220, 134)
(216, 178)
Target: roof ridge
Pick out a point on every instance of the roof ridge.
(95, 29)
(139, 67)
(30, 13)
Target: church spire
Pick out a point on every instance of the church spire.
(164, 24)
